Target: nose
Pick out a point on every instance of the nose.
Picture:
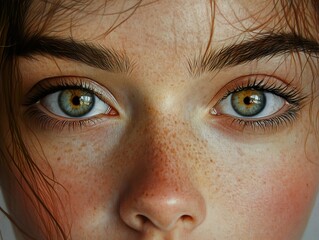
(162, 197)
(160, 205)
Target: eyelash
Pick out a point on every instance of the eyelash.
(291, 95)
(46, 88)
(47, 122)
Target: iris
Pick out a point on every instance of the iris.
(76, 102)
(248, 102)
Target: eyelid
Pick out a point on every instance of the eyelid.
(284, 106)
(54, 84)
(292, 95)
(41, 118)
(262, 82)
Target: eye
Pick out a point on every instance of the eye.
(250, 103)
(75, 103)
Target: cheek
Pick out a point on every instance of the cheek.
(288, 198)
(281, 197)
(262, 192)
(86, 174)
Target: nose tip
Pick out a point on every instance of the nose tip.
(164, 212)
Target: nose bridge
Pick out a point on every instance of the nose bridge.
(161, 193)
(165, 167)
(164, 151)
(166, 132)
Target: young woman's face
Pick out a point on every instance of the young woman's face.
(152, 139)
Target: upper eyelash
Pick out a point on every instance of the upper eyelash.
(46, 88)
(291, 94)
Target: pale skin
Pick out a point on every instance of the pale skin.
(165, 166)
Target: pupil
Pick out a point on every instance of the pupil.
(76, 100)
(247, 100)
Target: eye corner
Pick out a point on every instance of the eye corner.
(213, 111)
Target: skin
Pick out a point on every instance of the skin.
(164, 167)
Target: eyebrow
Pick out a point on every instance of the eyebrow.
(266, 45)
(96, 56)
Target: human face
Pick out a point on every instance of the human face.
(168, 161)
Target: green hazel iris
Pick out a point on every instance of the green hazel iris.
(248, 102)
(76, 102)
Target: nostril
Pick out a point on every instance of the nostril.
(188, 221)
(141, 218)
(187, 218)
(140, 221)
(146, 207)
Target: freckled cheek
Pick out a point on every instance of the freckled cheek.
(90, 174)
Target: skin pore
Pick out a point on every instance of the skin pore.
(166, 160)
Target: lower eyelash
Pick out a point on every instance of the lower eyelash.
(45, 122)
(293, 97)
(275, 122)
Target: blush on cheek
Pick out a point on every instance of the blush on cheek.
(285, 200)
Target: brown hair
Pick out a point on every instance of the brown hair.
(12, 22)
(13, 15)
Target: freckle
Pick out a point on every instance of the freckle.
(240, 152)
(83, 145)
(58, 159)
(69, 150)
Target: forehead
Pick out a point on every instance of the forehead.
(163, 31)
(92, 18)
